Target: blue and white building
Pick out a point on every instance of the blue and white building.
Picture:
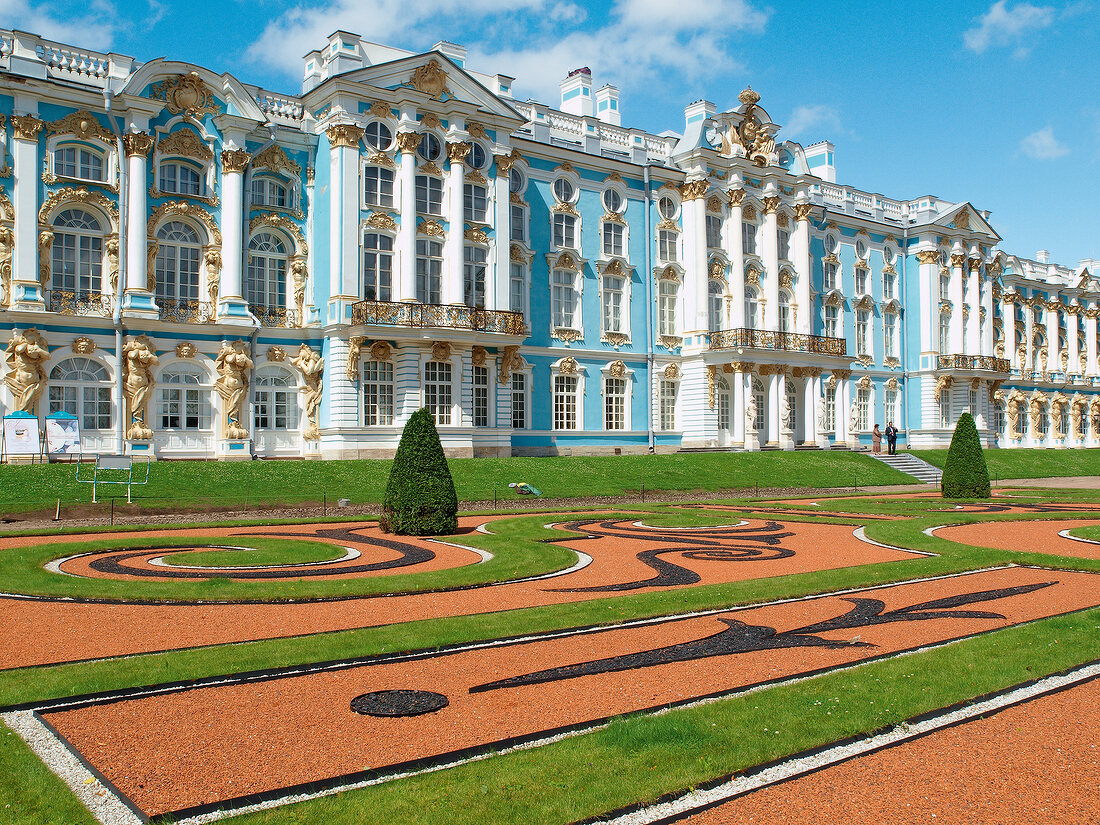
(178, 249)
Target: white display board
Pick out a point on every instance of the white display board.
(22, 436)
(62, 436)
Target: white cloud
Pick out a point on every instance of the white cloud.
(56, 21)
(816, 121)
(537, 41)
(1002, 26)
(1043, 145)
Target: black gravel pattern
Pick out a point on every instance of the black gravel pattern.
(399, 703)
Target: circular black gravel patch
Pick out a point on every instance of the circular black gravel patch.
(398, 703)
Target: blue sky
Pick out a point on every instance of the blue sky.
(996, 103)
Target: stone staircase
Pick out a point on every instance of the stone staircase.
(912, 465)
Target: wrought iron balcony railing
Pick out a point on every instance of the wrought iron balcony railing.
(184, 311)
(973, 362)
(394, 314)
(68, 302)
(274, 316)
(785, 341)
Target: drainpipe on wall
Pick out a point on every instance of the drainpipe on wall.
(647, 277)
(905, 328)
(116, 315)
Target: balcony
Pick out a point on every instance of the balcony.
(184, 311)
(780, 341)
(68, 302)
(274, 316)
(395, 314)
(973, 362)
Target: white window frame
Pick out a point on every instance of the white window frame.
(285, 394)
(668, 309)
(383, 200)
(578, 399)
(202, 389)
(481, 395)
(524, 394)
(438, 391)
(668, 409)
(616, 405)
(378, 379)
(379, 254)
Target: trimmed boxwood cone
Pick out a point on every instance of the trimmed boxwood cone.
(420, 494)
(965, 474)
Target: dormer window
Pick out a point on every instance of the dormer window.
(180, 179)
(268, 192)
(79, 162)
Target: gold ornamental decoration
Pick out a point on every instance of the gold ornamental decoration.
(275, 159)
(185, 143)
(802, 211)
(344, 134)
(506, 162)
(137, 143)
(235, 160)
(45, 245)
(380, 351)
(958, 260)
(735, 196)
(509, 360)
(83, 345)
(671, 372)
(568, 366)
(82, 125)
(380, 109)
(382, 220)
(458, 151)
(312, 367)
(616, 369)
(433, 229)
(282, 222)
(79, 194)
(771, 204)
(441, 351)
(478, 356)
(26, 352)
(233, 365)
(429, 79)
(430, 120)
(408, 141)
(186, 349)
(276, 353)
(26, 127)
(476, 130)
(174, 208)
(928, 256)
(186, 94)
(477, 236)
(139, 357)
(695, 189)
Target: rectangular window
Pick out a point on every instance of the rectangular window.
(183, 409)
(830, 275)
(565, 231)
(945, 287)
(473, 276)
(832, 322)
(614, 403)
(890, 406)
(784, 244)
(973, 399)
(481, 396)
(565, 402)
(429, 195)
(748, 238)
(429, 272)
(889, 285)
(829, 424)
(437, 391)
(518, 223)
(519, 401)
(945, 334)
(377, 267)
(563, 299)
(517, 287)
(378, 186)
(945, 409)
(612, 239)
(266, 192)
(714, 232)
(475, 202)
(863, 409)
(377, 394)
(666, 308)
(667, 394)
(724, 409)
(861, 281)
(863, 321)
(889, 334)
(612, 304)
(666, 245)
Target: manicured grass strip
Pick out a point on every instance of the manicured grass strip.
(1029, 463)
(515, 544)
(1092, 532)
(274, 552)
(198, 484)
(30, 793)
(641, 758)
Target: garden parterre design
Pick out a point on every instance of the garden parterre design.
(706, 612)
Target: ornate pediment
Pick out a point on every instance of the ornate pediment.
(185, 143)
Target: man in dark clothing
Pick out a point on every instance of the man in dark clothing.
(892, 438)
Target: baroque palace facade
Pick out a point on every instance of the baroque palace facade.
(198, 267)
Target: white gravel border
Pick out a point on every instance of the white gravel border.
(1066, 535)
(862, 536)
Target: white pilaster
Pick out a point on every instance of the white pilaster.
(25, 285)
(1054, 354)
(406, 233)
(771, 263)
(736, 252)
(452, 248)
(803, 265)
(695, 257)
(231, 302)
(973, 302)
(773, 387)
(138, 298)
(344, 290)
(1090, 344)
(958, 301)
(737, 413)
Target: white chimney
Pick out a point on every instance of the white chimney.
(698, 111)
(314, 63)
(454, 51)
(819, 157)
(342, 54)
(576, 92)
(1043, 256)
(607, 105)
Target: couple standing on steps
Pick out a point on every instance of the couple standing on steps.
(891, 439)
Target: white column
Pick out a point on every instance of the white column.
(840, 433)
(1054, 355)
(452, 249)
(26, 288)
(987, 305)
(1008, 318)
(736, 252)
(695, 257)
(804, 268)
(973, 301)
(406, 233)
(1029, 337)
(737, 413)
(958, 261)
(234, 162)
(771, 264)
(1090, 342)
(809, 409)
(137, 146)
(497, 293)
(1071, 344)
(928, 274)
(774, 387)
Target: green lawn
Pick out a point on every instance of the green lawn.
(1029, 463)
(202, 484)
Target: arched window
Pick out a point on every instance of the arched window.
(82, 387)
(177, 178)
(751, 308)
(265, 289)
(276, 399)
(177, 265)
(77, 255)
(785, 324)
(715, 305)
(184, 398)
(79, 162)
(666, 308)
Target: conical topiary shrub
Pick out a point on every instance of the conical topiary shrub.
(965, 474)
(420, 495)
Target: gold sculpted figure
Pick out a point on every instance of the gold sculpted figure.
(312, 366)
(233, 365)
(139, 359)
(26, 352)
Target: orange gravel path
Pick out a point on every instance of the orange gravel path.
(53, 632)
(175, 751)
(1024, 537)
(1034, 763)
